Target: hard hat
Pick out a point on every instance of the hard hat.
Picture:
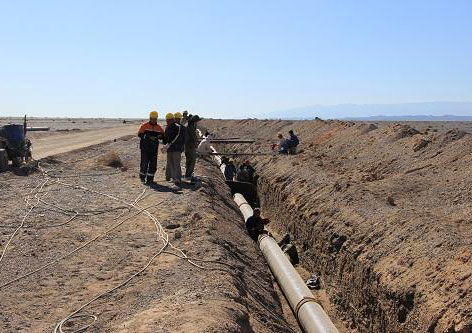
(169, 116)
(178, 115)
(153, 114)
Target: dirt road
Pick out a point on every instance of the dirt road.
(67, 141)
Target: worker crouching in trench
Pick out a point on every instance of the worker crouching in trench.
(255, 227)
(150, 133)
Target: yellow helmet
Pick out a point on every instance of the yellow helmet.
(178, 115)
(169, 116)
(153, 115)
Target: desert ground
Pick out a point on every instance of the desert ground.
(92, 237)
(379, 211)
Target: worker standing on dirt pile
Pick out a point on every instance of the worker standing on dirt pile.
(204, 148)
(191, 144)
(255, 224)
(293, 143)
(185, 117)
(174, 140)
(150, 133)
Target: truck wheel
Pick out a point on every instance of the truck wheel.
(17, 161)
(3, 160)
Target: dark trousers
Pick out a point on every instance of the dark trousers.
(254, 234)
(190, 159)
(148, 165)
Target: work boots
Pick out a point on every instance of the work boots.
(284, 241)
(150, 180)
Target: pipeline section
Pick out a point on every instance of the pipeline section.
(308, 312)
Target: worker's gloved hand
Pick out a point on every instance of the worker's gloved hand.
(164, 149)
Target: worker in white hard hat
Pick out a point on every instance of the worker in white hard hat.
(150, 132)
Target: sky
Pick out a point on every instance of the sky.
(229, 58)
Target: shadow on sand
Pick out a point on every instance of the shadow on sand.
(177, 190)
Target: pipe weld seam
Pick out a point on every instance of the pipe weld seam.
(303, 301)
(244, 203)
(261, 237)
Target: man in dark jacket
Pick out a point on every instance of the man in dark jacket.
(230, 170)
(255, 224)
(191, 144)
(293, 143)
(174, 140)
(150, 133)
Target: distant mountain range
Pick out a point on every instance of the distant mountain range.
(413, 118)
(428, 111)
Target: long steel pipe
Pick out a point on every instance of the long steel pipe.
(309, 313)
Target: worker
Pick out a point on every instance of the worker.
(185, 117)
(293, 142)
(242, 174)
(230, 170)
(282, 146)
(149, 133)
(177, 117)
(250, 170)
(255, 224)
(174, 140)
(191, 144)
(204, 148)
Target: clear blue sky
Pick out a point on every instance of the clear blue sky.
(229, 58)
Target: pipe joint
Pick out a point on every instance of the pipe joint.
(302, 302)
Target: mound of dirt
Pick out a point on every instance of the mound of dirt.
(399, 131)
(383, 216)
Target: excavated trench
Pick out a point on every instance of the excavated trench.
(372, 214)
(352, 288)
(356, 300)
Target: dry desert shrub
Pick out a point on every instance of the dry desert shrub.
(111, 159)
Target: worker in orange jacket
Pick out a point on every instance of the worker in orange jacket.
(150, 133)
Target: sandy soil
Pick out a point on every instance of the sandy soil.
(233, 292)
(70, 124)
(381, 212)
(60, 143)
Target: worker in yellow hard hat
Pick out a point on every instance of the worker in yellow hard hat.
(150, 133)
(174, 140)
(177, 117)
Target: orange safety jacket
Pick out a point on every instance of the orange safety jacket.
(150, 135)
